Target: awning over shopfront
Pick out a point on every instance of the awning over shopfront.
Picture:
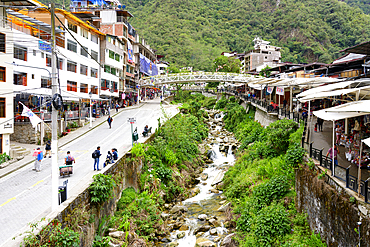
(325, 88)
(349, 110)
(322, 95)
(366, 141)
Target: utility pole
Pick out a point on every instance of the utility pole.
(54, 120)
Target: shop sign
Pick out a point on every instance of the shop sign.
(44, 46)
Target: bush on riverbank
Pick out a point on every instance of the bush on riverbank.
(167, 165)
(261, 183)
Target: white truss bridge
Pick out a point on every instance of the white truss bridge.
(196, 77)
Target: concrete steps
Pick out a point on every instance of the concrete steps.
(17, 152)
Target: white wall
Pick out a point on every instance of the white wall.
(6, 90)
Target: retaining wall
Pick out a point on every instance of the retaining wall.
(329, 210)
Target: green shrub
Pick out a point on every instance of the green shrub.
(101, 188)
(4, 158)
(52, 235)
(271, 190)
(209, 103)
(101, 241)
(315, 241)
(294, 155)
(138, 150)
(128, 195)
(221, 103)
(164, 174)
(272, 223)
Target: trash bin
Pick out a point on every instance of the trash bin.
(135, 136)
(62, 193)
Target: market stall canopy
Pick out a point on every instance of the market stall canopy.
(323, 95)
(325, 88)
(256, 86)
(349, 110)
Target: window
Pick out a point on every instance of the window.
(2, 42)
(72, 46)
(83, 88)
(72, 86)
(20, 79)
(48, 60)
(20, 53)
(42, 55)
(104, 85)
(84, 33)
(117, 57)
(1, 143)
(94, 89)
(106, 69)
(60, 63)
(94, 55)
(83, 69)
(45, 82)
(34, 52)
(33, 76)
(84, 51)
(72, 66)
(72, 27)
(94, 73)
(2, 74)
(2, 107)
(94, 38)
(113, 71)
(111, 54)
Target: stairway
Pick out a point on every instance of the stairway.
(17, 152)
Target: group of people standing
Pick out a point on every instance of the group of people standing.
(110, 159)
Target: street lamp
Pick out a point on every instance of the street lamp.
(90, 95)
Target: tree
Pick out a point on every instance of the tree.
(226, 64)
(265, 72)
(173, 69)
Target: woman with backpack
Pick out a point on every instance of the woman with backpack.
(110, 120)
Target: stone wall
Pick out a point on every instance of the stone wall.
(264, 118)
(23, 133)
(330, 211)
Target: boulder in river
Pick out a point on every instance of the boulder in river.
(164, 216)
(173, 244)
(184, 228)
(214, 223)
(224, 207)
(228, 240)
(177, 225)
(213, 231)
(117, 234)
(214, 191)
(203, 228)
(204, 176)
(178, 208)
(202, 217)
(180, 235)
(203, 242)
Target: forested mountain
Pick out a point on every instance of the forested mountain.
(364, 5)
(194, 32)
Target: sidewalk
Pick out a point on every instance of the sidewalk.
(324, 140)
(73, 135)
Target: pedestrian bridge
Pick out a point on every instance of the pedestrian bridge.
(197, 77)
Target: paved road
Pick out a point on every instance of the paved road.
(25, 195)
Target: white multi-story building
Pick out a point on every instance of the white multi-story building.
(112, 56)
(77, 51)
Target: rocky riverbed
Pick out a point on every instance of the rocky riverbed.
(200, 219)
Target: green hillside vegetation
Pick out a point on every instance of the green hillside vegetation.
(194, 32)
(364, 5)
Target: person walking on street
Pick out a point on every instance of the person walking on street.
(68, 160)
(48, 149)
(336, 152)
(96, 154)
(39, 156)
(320, 122)
(110, 120)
